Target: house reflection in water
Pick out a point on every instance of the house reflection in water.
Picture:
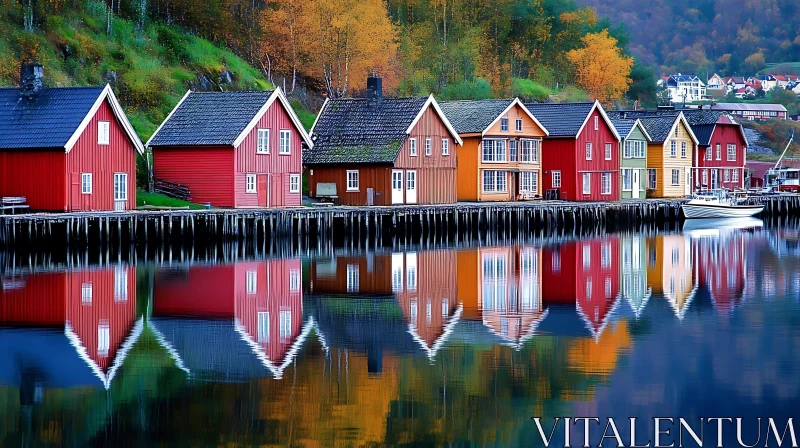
(63, 329)
(721, 266)
(231, 322)
(669, 270)
(501, 287)
(634, 272)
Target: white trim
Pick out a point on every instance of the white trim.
(600, 109)
(168, 347)
(171, 113)
(682, 118)
(277, 93)
(638, 123)
(119, 358)
(432, 102)
(319, 115)
(437, 344)
(531, 331)
(603, 324)
(108, 94)
(524, 109)
(258, 350)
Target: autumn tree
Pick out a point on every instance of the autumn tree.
(601, 68)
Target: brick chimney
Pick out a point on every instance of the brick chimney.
(31, 80)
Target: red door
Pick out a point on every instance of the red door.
(263, 193)
(277, 191)
(75, 191)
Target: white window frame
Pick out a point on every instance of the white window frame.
(353, 278)
(251, 282)
(86, 293)
(250, 183)
(627, 179)
(495, 181)
(285, 147)
(596, 123)
(103, 132)
(493, 150)
(627, 151)
(704, 177)
(719, 151)
(683, 150)
(504, 124)
(675, 174)
(445, 146)
(513, 150)
(263, 326)
(673, 149)
(120, 284)
(86, 183)
(586, 256)
(710, 153)
(735, 175)
(294, 183)
(726, 175)
(518, 125)
(120, 181)
(587, 183)
(262, 141)
(556, 178)
(529, 150)
(608, 151)
(529, 181)
(412, 147)
(351, 180)
(731, 152)
(588, 150)
(294, 280)
(285, 326)
(605, 183)
(103, 339)
(428, 147)
(652, 178)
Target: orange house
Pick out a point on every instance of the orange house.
(501, 156)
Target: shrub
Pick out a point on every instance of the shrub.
(529, 90)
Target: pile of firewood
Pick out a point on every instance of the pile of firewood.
(172, 190)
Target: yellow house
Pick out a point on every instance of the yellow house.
(670, 155)
(669, 270)
(501, 156)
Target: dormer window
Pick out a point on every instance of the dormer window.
(263, 141)
(596, 123)
(102, 132)
(518, 125)
(504, 124)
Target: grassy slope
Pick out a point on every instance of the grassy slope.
(159, 200)
(775, 135)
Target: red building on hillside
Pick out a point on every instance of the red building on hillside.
(233, 149)
(580, 156)
(66, 148)
(722, 151)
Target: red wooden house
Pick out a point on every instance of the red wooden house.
(722, 267)
(580, 156)
(721, 157)
(233, 149)
(382, 151)
(66, 148)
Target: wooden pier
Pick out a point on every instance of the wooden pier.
(319, 225)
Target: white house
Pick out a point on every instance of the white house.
(684, 88)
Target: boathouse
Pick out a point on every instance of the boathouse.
(722, 150)
(580, 154)
(382, 151)
(66, 148)
(500, 159)
(233, 149)
(633, 157)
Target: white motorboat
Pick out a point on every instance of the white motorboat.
(718, 205)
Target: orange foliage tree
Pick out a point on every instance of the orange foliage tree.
(601, 68)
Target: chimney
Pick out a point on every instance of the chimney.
(375, 88)
(31, 79)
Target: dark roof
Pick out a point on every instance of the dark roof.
(46, 122)
(561, 119)
(623, 126)
(703, 133)
(656, 123)
(210, 118)
(359, 130)
(702, 116)
(473, 116)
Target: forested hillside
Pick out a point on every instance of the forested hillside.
(725, 36)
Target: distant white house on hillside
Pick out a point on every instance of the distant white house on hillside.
(684, 87)
(716, 82)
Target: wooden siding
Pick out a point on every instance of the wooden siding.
(467, 172)
(721, 268)
(40, 176)
(277, 166)
(36, 300)
(723, 135)
(469, 282)
(558, 154)
(636, 134)
(669, 268)
(119, 156)
(201, 291)
(329, 276)
(207, 171)
(565, 275)
(658, 158)
(377, 177)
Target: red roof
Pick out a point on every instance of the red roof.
(759, 169)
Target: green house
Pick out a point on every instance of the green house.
(633, 273)
(633, 157)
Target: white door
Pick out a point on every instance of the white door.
(635, 182)
(411, 187)
(688, 188)
(397, 186)
(120, 191)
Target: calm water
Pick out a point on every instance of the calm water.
(431, 347)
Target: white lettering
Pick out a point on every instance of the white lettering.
(659, 432)
(789, 426)
(697, 440)
(739, 433)
(633, 435)
(546, 440)
(719, 428)
(610, 423)
(586, 428)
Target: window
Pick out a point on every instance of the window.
(683, 149)
(263, 326)
(676, 177)
(103, 339)
(556, 261)
(731, 152)
(120, 186)
(589, 289)
(651, 178)
(411, 271)
(120, 284)
(495, 282)
(251, 282)
(673, 148)
(709, 154)
(596, 123)
(556, 179)
(86, 183)
(494, 150)
(586, 254)
(719, 151)
(411, 180)
(676, 256)
(587, 183)
(250, 183)
(413, 311)
(605, 255)
(102, 132)
(530, 151)
(627, 182)
(608, 287)
(518, 125)
(445, 146)
(285, 324)
(608, 151)
(627, 151)
(605, 183)
(412, 147)
(445, 307)
(428, 146)
(352, 278)
(397, 272)
(504, 124)
(86, 293)
(294, 183)
(494, 181)
(262, 147)
(705, 177)
(727, 175)
(512, 149)
(529, 181)
(589, 151)
(286, 139)
(735, 175)
(294, 280)
(352, 180)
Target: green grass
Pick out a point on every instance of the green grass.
(159, 200)
(306, 117)
(793, 67)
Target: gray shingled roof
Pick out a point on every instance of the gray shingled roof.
(699, 117)
(656, 123)
(622, 126)
(359, 130)
(561, 119)
(469, 117)
(48, 121)
(210, 118)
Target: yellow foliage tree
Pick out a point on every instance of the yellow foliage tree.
(601, 68)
